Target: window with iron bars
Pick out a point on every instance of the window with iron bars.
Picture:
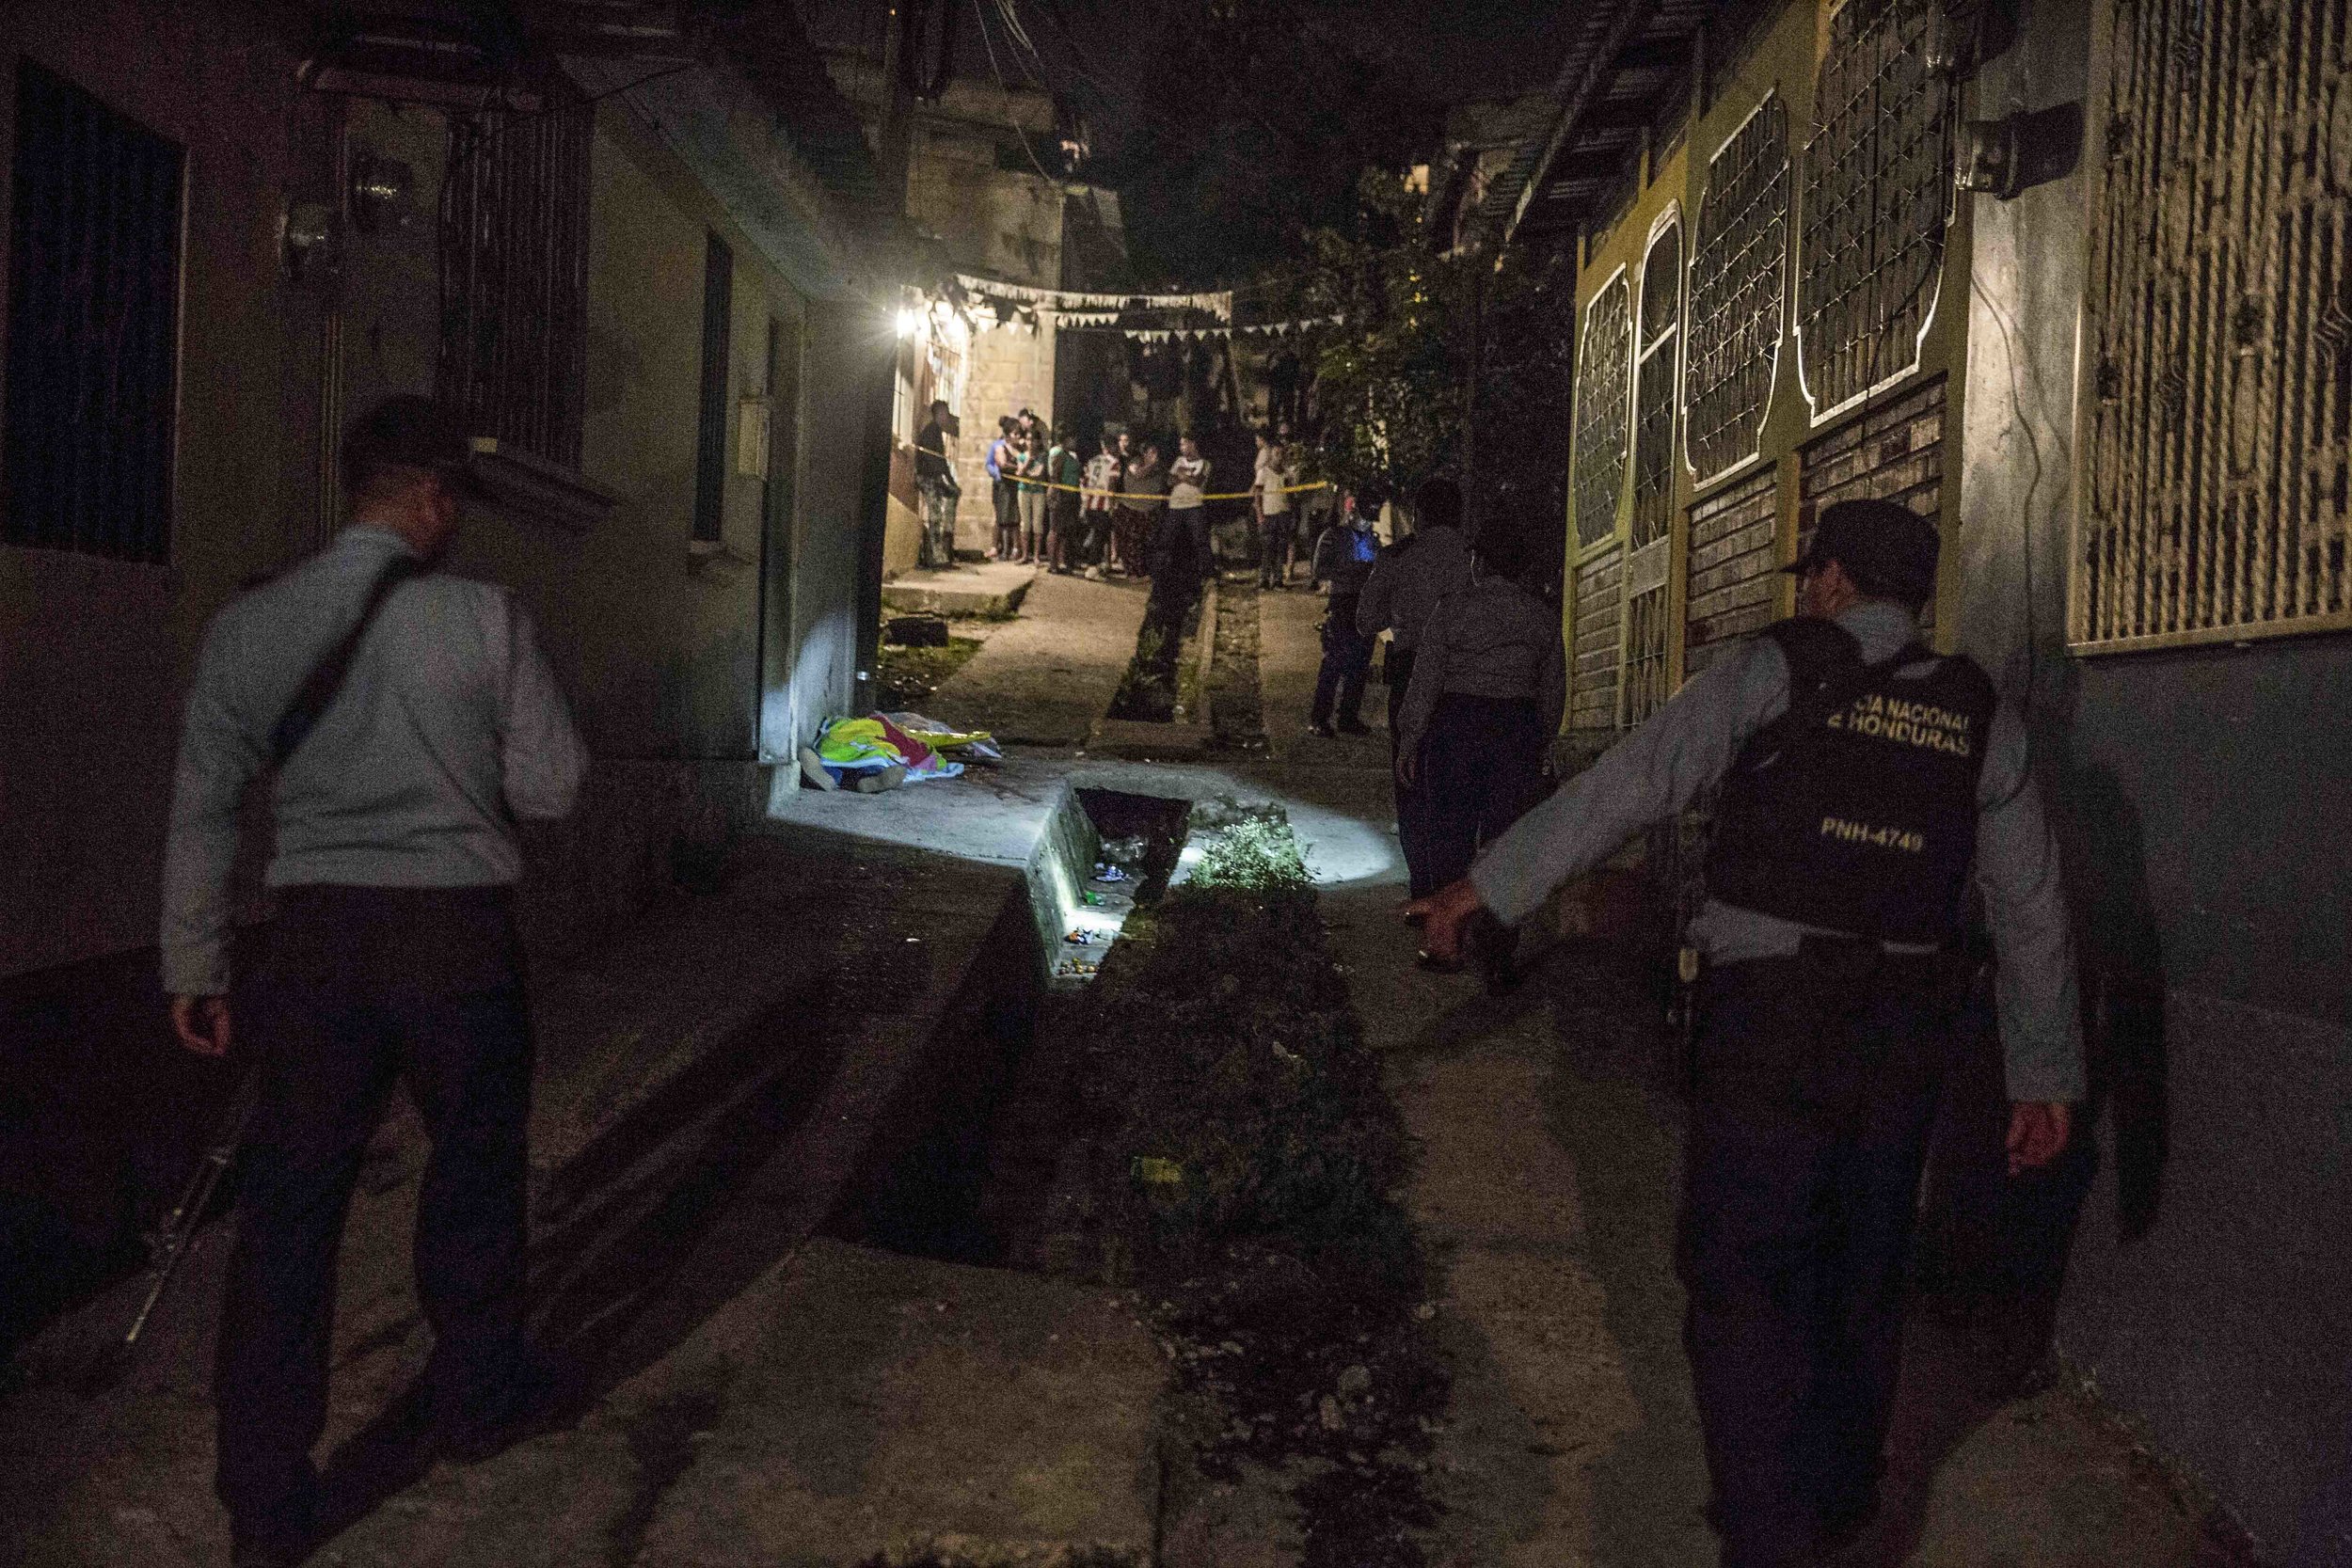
(1603, 402)
(1739, 281)
(1656, 361)
(1877, 193)
(514, 264)
(94, 239)
(2217, 405)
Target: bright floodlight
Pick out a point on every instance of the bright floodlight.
(909, 319)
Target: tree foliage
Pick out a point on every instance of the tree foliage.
(1448, 363)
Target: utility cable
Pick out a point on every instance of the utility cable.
(1011, 118)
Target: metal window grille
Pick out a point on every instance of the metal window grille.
(1893, 452)
(1604, 364)
(514, 241)
(1594, 652)
(710, 451)
(1735, 539)
(1654, 389)
(94, 231)
(1738, 284)
(1877, 193)
(2217, 403)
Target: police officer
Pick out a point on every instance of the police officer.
(1475, 727)
(1862, 776)
(1406, 582)
(411, 718)
(1343, 564)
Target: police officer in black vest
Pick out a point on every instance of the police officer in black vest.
(1862, 778)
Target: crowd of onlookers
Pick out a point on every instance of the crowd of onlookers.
(1475, 671)
(1132, 508)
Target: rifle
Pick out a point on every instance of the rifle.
(167, 1246)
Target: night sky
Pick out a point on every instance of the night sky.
(1256, 115)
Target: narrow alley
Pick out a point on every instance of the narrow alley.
(1175, 784)
(720, 1087)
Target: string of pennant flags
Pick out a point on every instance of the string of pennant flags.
(1185, 334)
(1216, 302)
(1096, 310)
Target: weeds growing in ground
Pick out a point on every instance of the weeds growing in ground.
(1240, 1162)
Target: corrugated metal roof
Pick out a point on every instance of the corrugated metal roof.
(1628, 53)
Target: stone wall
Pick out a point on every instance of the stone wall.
(1013, 368)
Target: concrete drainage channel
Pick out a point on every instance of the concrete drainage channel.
(968, 1155)
(961, 1174)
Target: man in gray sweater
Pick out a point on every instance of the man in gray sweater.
(410, 718)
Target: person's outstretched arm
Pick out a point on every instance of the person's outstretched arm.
(1652, 774)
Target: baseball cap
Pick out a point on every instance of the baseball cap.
(1886, 548)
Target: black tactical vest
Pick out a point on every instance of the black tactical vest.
(1857, 810)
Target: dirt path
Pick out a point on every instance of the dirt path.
(1045, 678)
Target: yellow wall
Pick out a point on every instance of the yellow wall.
(1781, 57)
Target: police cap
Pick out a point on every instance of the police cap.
(1886, 548)
(410, 432)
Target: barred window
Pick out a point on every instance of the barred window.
(1877, 193)
(711, 446)
(514, 259)
(1738, 284)
(94, 230)
(1654, 384)
(1604, 363)
(2216, 403)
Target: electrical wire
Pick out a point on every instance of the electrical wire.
(980, 12)
(1020, 43)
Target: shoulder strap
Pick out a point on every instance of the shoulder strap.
(327, 676)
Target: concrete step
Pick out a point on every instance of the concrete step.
(986, 588)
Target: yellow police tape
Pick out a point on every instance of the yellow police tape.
(1127, 495)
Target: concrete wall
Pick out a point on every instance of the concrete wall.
(92, 651)
(1013, 368)
(662, 651)
(2197, 791)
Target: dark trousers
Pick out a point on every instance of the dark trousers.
(1813, 1082)
(1346, 662)
(360, 987)
(1188, 538)
(1274, 549)
(1482, 768)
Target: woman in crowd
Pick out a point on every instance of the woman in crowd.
(1002, 458)
(1032, 546)
(1140, 516)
